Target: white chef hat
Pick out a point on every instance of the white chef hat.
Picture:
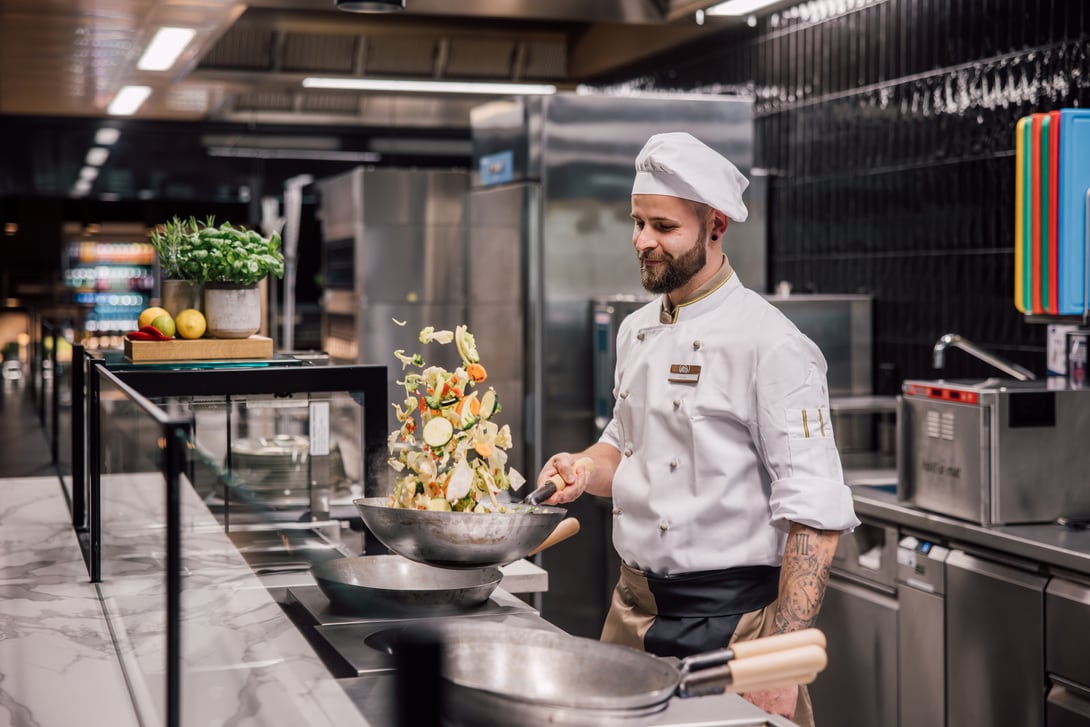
(678, 164)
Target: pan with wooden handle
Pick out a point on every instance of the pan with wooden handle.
(571, 680)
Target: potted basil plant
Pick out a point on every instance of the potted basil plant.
(178, 288)
(230, 262)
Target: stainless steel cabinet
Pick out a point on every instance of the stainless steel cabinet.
(995, 672)
(1067, 643)
(859, 617)
(921, 588)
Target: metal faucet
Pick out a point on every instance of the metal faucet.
(952, 339)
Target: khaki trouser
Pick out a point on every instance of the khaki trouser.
(632, 612)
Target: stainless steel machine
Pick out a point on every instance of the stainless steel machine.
(994, 452)
(549, 232)
(393, 248)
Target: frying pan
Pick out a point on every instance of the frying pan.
(509, 676)
(459, 539)
(390, 584)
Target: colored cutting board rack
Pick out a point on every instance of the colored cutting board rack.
(1052, 213)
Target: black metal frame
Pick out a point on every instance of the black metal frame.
(175, 435)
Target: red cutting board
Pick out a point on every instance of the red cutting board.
(1052, 305)
(1035, 212)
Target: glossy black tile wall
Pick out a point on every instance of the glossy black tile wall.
(887, 128)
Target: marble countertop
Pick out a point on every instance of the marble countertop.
(101, 646)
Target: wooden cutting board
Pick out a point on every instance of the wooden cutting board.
(199, 349)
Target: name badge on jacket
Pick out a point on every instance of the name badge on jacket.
(684, 373)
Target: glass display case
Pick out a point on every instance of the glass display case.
(181, 455)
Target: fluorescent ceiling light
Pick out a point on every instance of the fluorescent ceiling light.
(88, 173)
(317, 154)
(96, 156)
(383, 84)
(128, 100)
(165, 48)
(739, 7)
(83, 186)
(107, 136)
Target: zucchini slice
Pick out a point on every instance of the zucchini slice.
(489, 404)
(437, 432)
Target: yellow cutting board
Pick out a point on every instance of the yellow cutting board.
(199, 349)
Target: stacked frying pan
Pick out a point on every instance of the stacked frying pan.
(449, 560)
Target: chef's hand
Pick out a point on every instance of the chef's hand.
(573, 473)
(775, 701)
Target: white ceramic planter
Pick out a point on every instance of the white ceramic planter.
(178, 295)
(232, 311)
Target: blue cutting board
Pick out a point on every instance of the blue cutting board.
(1074, 183)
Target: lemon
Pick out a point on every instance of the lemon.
(150, 314)
(190, 323)
(165, 324)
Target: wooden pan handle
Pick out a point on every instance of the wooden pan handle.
(750, 673)
(568, 527)
(584, 462)
(791, 681)
(779, 642)
(781, 668)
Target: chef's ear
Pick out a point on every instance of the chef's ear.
(719, 224)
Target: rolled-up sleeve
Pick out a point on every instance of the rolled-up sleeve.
(796, 438)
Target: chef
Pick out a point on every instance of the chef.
(720, 458)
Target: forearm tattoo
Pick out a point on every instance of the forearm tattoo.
(807, 557)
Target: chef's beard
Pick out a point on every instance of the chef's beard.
(673, 272)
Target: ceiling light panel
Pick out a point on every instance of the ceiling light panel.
(128, 100)
(163, 50)
(96, 156)
(738, 8)
(107, 136)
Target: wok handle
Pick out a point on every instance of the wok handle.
(779, 642)
(748, 674)
(568, 527)
(753, 647)
(542, 493)
(585, 462)
(789, 681)
(782, 668)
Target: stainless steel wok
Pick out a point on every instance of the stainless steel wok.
(390, 584)
(459, 539)
(514, 677)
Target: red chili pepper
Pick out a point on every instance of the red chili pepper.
(139, 336)
(155, 333)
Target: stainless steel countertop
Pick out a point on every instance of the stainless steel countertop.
(1048, 543)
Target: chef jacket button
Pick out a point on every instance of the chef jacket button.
(677, 403)
(664, 525)
(624, 394)
(674, 463)
(627, 451)
(639, 336)
(697, 345)
(616, 511)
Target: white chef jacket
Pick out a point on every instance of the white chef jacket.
(716, 462)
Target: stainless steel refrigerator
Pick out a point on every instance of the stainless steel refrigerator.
(550, 231)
